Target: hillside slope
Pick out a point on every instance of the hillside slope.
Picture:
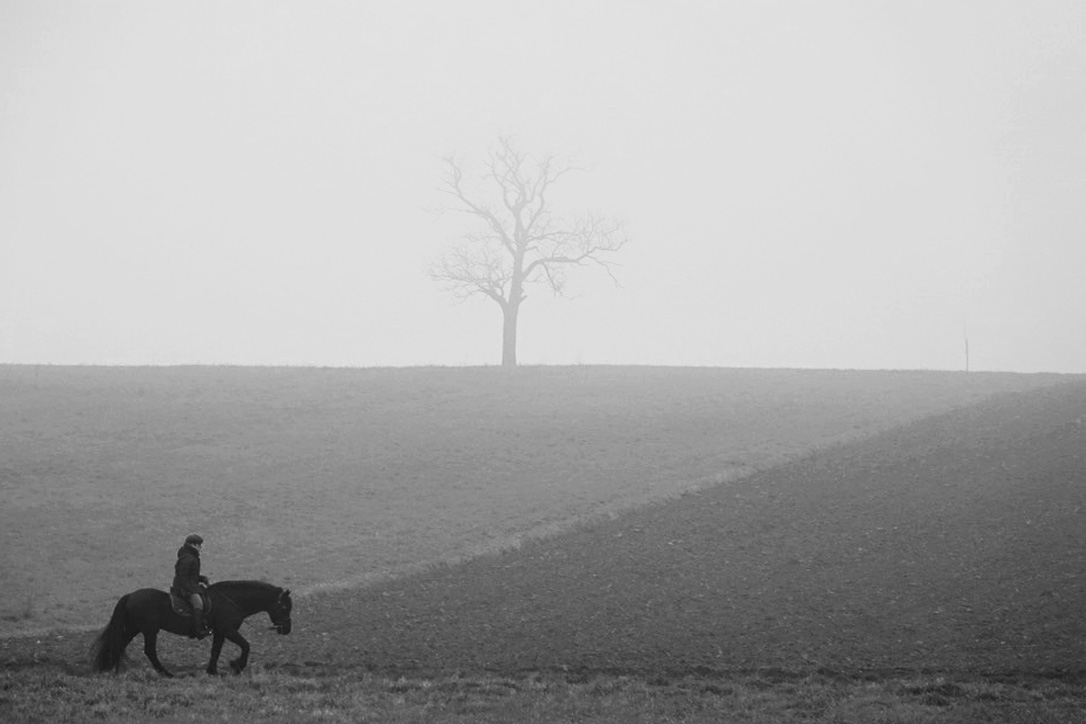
(957, 543)
(309, 477)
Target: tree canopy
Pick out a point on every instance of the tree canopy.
(520, 240)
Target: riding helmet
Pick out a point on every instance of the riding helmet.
(194, 539)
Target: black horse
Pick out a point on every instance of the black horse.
(148, 611)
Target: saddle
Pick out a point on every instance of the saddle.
(182, 607)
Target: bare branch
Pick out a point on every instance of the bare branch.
(454, 187)
(521, 240)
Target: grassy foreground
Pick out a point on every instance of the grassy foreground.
(49, 696)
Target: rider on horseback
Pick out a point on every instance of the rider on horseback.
(187, 582)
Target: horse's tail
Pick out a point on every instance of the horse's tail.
(108, 649)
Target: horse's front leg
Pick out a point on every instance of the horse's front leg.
(150, 639)
(239, 664)
(216, 649)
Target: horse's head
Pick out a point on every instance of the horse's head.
(279, 613)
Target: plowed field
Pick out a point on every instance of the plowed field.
(956, 544)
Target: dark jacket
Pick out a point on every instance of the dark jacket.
(186, 572)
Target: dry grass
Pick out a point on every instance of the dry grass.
(279, 699)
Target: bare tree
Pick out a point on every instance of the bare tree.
(520, 241)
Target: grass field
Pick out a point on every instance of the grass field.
(317, 477)
(955, 545)
(48, 696)
(735, 544)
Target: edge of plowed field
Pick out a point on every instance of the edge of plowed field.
(317, 477)
(951, 544)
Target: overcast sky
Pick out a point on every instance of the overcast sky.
(804, 184)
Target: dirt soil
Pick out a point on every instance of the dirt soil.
(318, 477)
(955, 544)
(952, 544)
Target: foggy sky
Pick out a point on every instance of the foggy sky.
(832, 184)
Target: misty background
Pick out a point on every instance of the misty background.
(832, 184)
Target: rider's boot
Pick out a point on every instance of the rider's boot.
(198, 631)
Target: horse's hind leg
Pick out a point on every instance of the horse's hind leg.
(150, 639)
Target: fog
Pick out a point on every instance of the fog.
(833, 184)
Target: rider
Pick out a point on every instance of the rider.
(187, 582)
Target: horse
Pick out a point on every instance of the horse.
(148, 611)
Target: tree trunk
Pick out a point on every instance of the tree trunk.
(509, 334)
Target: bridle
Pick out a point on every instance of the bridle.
(277, 625)
(282, 623)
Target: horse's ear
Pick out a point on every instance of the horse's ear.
(286, 592)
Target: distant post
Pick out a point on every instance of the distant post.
(965, 336)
